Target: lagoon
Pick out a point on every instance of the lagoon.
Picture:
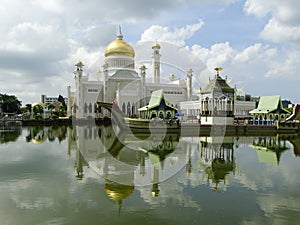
(99, 175)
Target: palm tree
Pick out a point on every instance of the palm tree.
(51, 107)
(28, 108)
(38, 111)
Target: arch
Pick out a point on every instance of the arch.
(38, 103)
(85, 108)
(75, 108)
(90, 108)
(153, 114)
(95, 108)
(123, 107)
(169, 115)
(161, 115)
(128, 109)
(133, 109)
(271, 116)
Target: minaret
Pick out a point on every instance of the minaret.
(156, 63)
(105, 73)
(78, 70)
(142, 93)
(69, 109)
(78, 75)
(143, 74)
(189, 83)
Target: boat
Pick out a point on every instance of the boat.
(154, 123)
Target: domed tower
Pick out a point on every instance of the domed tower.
(119, 54)
(119, 76)
(156, 63)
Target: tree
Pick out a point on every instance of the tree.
(62, 110)
(51, 107)
(38, 111)
(10, 103)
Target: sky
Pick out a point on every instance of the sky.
(256, 42)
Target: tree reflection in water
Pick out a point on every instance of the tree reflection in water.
(9, 134)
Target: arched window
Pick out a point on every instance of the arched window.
(168, 115)
(161, 115)
(95, 108)
(153, 115)
(128, 109)
(133, 108)
(123, 107)
(90, 108)
(85, 108)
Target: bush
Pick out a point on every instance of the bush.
(54, 116)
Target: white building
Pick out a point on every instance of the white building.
(120, 83)
(50, 99)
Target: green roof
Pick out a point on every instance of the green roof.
(155, 100)
(269, 104)
(125, 74)
(216, 85)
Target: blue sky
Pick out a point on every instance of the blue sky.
(255, 41)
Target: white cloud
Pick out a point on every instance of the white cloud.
(218, 55)
(176, 36)
(278, 32)
(284, 22)
(285, 11)
(254, 53)
(285, 67)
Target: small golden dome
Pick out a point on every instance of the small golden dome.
(79, 63)
(156, 46)
(119, 48)
(143, 67)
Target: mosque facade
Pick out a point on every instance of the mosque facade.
(118, 82)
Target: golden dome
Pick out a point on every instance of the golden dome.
(118, 191)
(119, 47)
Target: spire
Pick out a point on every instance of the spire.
(120, 35)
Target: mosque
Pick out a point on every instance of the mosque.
(118, 82)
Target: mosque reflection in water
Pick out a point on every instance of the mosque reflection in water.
(129, 160)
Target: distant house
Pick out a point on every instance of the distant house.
(158, 107)
(270, 109)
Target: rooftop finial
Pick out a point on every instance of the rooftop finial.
(120, 35)
(218, 69)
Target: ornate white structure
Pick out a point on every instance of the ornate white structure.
(119, 82)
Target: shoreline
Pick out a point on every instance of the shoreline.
(237, 129)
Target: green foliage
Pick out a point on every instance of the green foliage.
(54, 116)
(37, 117)
(10, 136)
(10, 103)
(63, 110)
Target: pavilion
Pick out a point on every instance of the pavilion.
(269, 109)
(158, 107)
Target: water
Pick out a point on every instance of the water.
(84, 175)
